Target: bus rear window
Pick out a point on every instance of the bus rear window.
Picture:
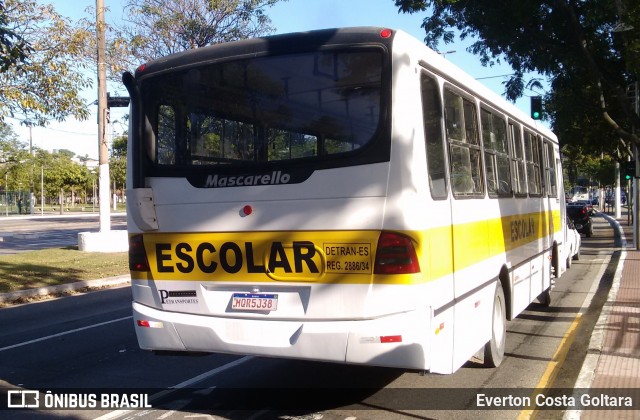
(267, 109)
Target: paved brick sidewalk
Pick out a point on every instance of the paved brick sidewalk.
(618, 362)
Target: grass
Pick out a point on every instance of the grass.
(54, 266)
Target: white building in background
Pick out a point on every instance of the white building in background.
(91, 164)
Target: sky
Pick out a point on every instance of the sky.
(81, 137)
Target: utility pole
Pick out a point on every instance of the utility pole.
(32, 197)
(636, 185)
(103, 150)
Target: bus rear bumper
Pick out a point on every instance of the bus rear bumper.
(397, 340)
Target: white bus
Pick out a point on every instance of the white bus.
(341, 195)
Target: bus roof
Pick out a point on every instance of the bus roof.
(274, 44)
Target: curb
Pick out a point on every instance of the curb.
(64, 288)
(50, 215)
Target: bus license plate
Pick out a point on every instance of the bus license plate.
(254, 302)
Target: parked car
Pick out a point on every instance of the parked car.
(572, 245)
(580, 214)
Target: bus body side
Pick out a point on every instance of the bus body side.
(355, 264)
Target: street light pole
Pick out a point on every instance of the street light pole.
(636, 185)
(32, 197)
(103, 159)
(42, 191)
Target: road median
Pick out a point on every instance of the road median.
(33, 274)
(25, 296)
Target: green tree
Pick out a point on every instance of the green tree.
(14, 158)
(155, 28)
(13, 49)
(22, 170)
(62, 175)
(66, 152)
(119, 147)
(588, 49)
(8, 142)
(118, 163)
(48, 84)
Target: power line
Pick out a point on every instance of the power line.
(510, 74)
(494, 77)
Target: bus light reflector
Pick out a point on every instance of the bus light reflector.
(391, 339)
(395, 255)
(137, 254)
(385, 33)
(149, 324)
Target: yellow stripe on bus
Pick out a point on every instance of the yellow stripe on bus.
(344, 257)
(477, 241)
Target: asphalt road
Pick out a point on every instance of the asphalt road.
(88, 342)
(21, 233)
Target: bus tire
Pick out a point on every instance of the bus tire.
(494, 349)
(555, 263)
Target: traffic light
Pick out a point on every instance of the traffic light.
(536, 107)
(629, 170)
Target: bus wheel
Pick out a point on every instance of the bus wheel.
(555, 263)
(494, 349)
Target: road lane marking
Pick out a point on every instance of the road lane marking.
(205, 375)
(118, 413)
(88, 327)
(553, 368)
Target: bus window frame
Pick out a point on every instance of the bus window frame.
(441, 127)
(484, 107)
(535, 151)
(377, 150)
(550, 168)
(452, 142)
(515, 159)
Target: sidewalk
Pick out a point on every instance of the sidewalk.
(613, 359)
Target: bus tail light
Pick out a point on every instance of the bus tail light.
(149, 324)
(137, 254)
(395, 255)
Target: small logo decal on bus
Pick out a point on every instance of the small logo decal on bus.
(178, 296)
(522, 229)
(273, 178)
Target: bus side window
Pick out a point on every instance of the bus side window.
(166, 141)
(496, 154)
(432, 118)
(532, 157)
(550, 170)
(464, 145)
(519, 180)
